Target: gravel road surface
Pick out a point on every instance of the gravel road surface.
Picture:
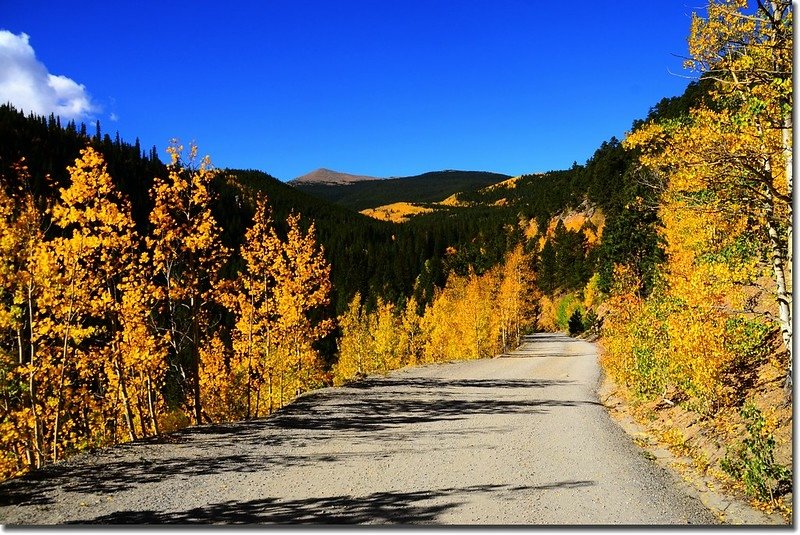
(520, 439)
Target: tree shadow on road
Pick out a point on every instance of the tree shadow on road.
(434, 384)
(383, 412)
(379, 409)
(417, 507)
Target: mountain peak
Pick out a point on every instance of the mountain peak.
(328, 176)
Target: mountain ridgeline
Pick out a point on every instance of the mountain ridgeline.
(425, 188)
(329, 177)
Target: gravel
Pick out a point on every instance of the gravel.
(521, 439)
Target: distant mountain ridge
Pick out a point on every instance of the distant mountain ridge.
(330, 177)
(429, 187)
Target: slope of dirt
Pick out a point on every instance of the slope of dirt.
(695, 445)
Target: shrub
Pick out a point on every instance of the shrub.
(752, 462)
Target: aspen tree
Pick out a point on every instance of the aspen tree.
(252, 299)
(412, 341)
(385, 331)
(302, 288)
(354, 345)
(737, 152)
(24, 268)
(515, 297)
(186, 255)
(95, 254)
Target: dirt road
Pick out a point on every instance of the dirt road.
(514, 440)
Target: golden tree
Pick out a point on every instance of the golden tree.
(223, 381)
(461, 323)
(70, 337)
(412, 340)
(440, 326)
(252, 299)
(733, 157)
(516, 295)
(385, 330)
(25, 268)
(186, 256)
(139, 360)
(478, 316)
(302, 288)
(355, 343)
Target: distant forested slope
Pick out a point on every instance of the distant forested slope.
(425, 188)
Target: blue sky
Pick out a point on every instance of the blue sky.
(366, 87)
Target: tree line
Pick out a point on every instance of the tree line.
(110, 335)
(471, 317)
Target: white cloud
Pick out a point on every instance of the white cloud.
(26, 83)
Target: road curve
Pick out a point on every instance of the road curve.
(515, 440)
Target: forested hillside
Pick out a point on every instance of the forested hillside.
(425, 188)
(134, 305)
(139, 297)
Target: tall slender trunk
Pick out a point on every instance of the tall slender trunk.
(250, 360)
(60, 398)
(151, 406)
(37, 424)
(65, 346)
(140, 411)
(280, 387)
(195, 320)
(126, 404)
(271, 404)
(782, 293)
(786, 138)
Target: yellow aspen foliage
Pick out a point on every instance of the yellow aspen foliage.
(354, 345)
(72, 307)
(635, 341)
(547, 320)
(302, 288)
(479, 318)
(411, 337)
(731, 159)
(471, 317)
(24, 269)
(141, 355)
(440, 324)
(386, 351)
(515, 297)
(186, 255)
(251, 296)
(93, 253)
(592, 296)
(223, 382)
(462, 323)
(371, 342)
(688, 336)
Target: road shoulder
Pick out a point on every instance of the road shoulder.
(728, 508)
